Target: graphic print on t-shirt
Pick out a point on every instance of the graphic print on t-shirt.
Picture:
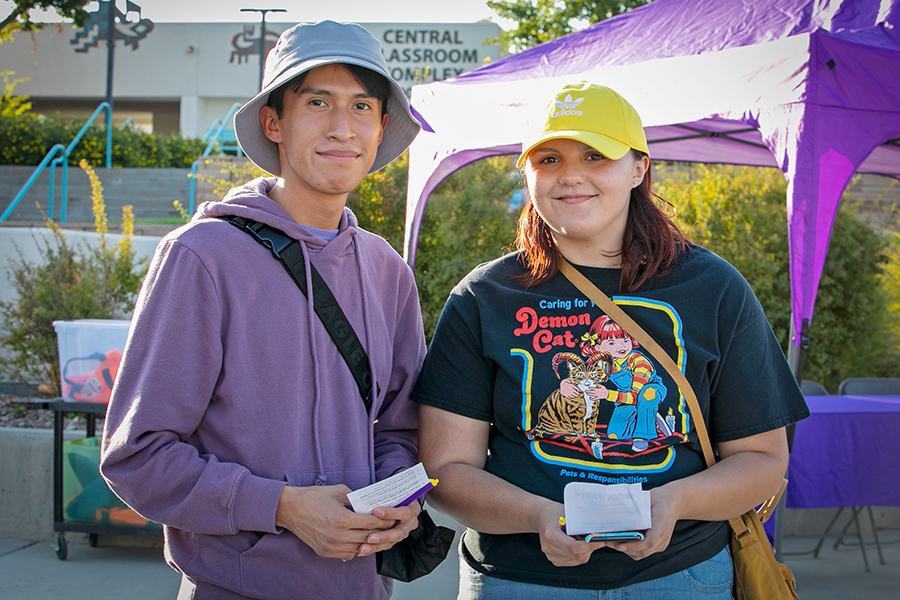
(611, 410)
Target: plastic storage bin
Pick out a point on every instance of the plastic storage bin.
(90, 351)
(86, 497)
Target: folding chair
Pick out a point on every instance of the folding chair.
(812, 388)
(870, 386)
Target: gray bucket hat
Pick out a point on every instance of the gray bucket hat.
(309, 45)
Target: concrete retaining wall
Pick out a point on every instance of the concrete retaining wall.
(25, 243)
(26, 482)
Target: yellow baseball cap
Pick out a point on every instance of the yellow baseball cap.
(589, 113)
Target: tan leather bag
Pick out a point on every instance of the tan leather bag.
(757, 575)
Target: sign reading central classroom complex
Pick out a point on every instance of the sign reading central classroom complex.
(425, 53)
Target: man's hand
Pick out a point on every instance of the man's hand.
(405, 519)
(321, 517)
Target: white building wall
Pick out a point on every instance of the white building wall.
(189, 113)
(207, 67)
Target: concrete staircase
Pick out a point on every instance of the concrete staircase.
(151, 193)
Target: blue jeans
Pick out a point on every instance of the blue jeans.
(708, 580)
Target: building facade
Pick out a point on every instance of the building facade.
(182, 77)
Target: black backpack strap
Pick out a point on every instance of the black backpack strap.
(287, 250)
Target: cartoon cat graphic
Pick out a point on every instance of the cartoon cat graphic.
(574, 416)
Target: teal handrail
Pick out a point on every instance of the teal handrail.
(218, 127)
(50, 156)
(63, 159)
(212, 129)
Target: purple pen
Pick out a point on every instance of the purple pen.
(418, 494)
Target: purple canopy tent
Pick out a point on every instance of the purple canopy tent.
(809, 86)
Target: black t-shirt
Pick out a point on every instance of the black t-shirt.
(501, 352)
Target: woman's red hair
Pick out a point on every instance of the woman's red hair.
(651, 245)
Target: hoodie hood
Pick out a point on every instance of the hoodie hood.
(251, 201)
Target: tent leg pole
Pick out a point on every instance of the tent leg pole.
(797, 353)
(779, 521)
(796, 356)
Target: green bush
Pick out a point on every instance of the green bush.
(468, 221)
(25, 140)
(891, 282)
(68, 282)
(232, 174)
(739, 213)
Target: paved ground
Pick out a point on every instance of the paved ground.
(30, 570)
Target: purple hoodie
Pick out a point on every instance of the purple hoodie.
(230, 388)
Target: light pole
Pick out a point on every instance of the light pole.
(262, 37)
(110, 49)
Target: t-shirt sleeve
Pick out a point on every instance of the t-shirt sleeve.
(457, 376)
(753, 389)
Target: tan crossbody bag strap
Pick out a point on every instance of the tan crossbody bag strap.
(637, 332)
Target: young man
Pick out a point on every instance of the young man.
(235, 421)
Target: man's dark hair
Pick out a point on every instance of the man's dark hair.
(374, 83)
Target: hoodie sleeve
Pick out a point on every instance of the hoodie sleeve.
(165, 386)
(395, 432)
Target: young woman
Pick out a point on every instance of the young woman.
(504, 436)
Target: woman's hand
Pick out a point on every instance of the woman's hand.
(719, 493)
(560, 549)
(664, 513)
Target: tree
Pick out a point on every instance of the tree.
(20, 19)
(544, 20)
(10, 104)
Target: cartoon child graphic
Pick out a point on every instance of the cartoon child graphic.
(633, 386)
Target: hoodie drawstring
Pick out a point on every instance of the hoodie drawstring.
(366, 329)
(321, 477)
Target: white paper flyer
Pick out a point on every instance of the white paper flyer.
(397, 490)
(598, 508)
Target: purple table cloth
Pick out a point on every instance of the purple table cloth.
(847, 453)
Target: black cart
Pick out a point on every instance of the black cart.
(60, 525)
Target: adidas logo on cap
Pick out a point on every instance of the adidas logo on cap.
(566, 107)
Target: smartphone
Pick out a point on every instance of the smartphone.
(617, 536)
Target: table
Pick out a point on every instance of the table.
(846, 453)
(60, 524)
(845, 456)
